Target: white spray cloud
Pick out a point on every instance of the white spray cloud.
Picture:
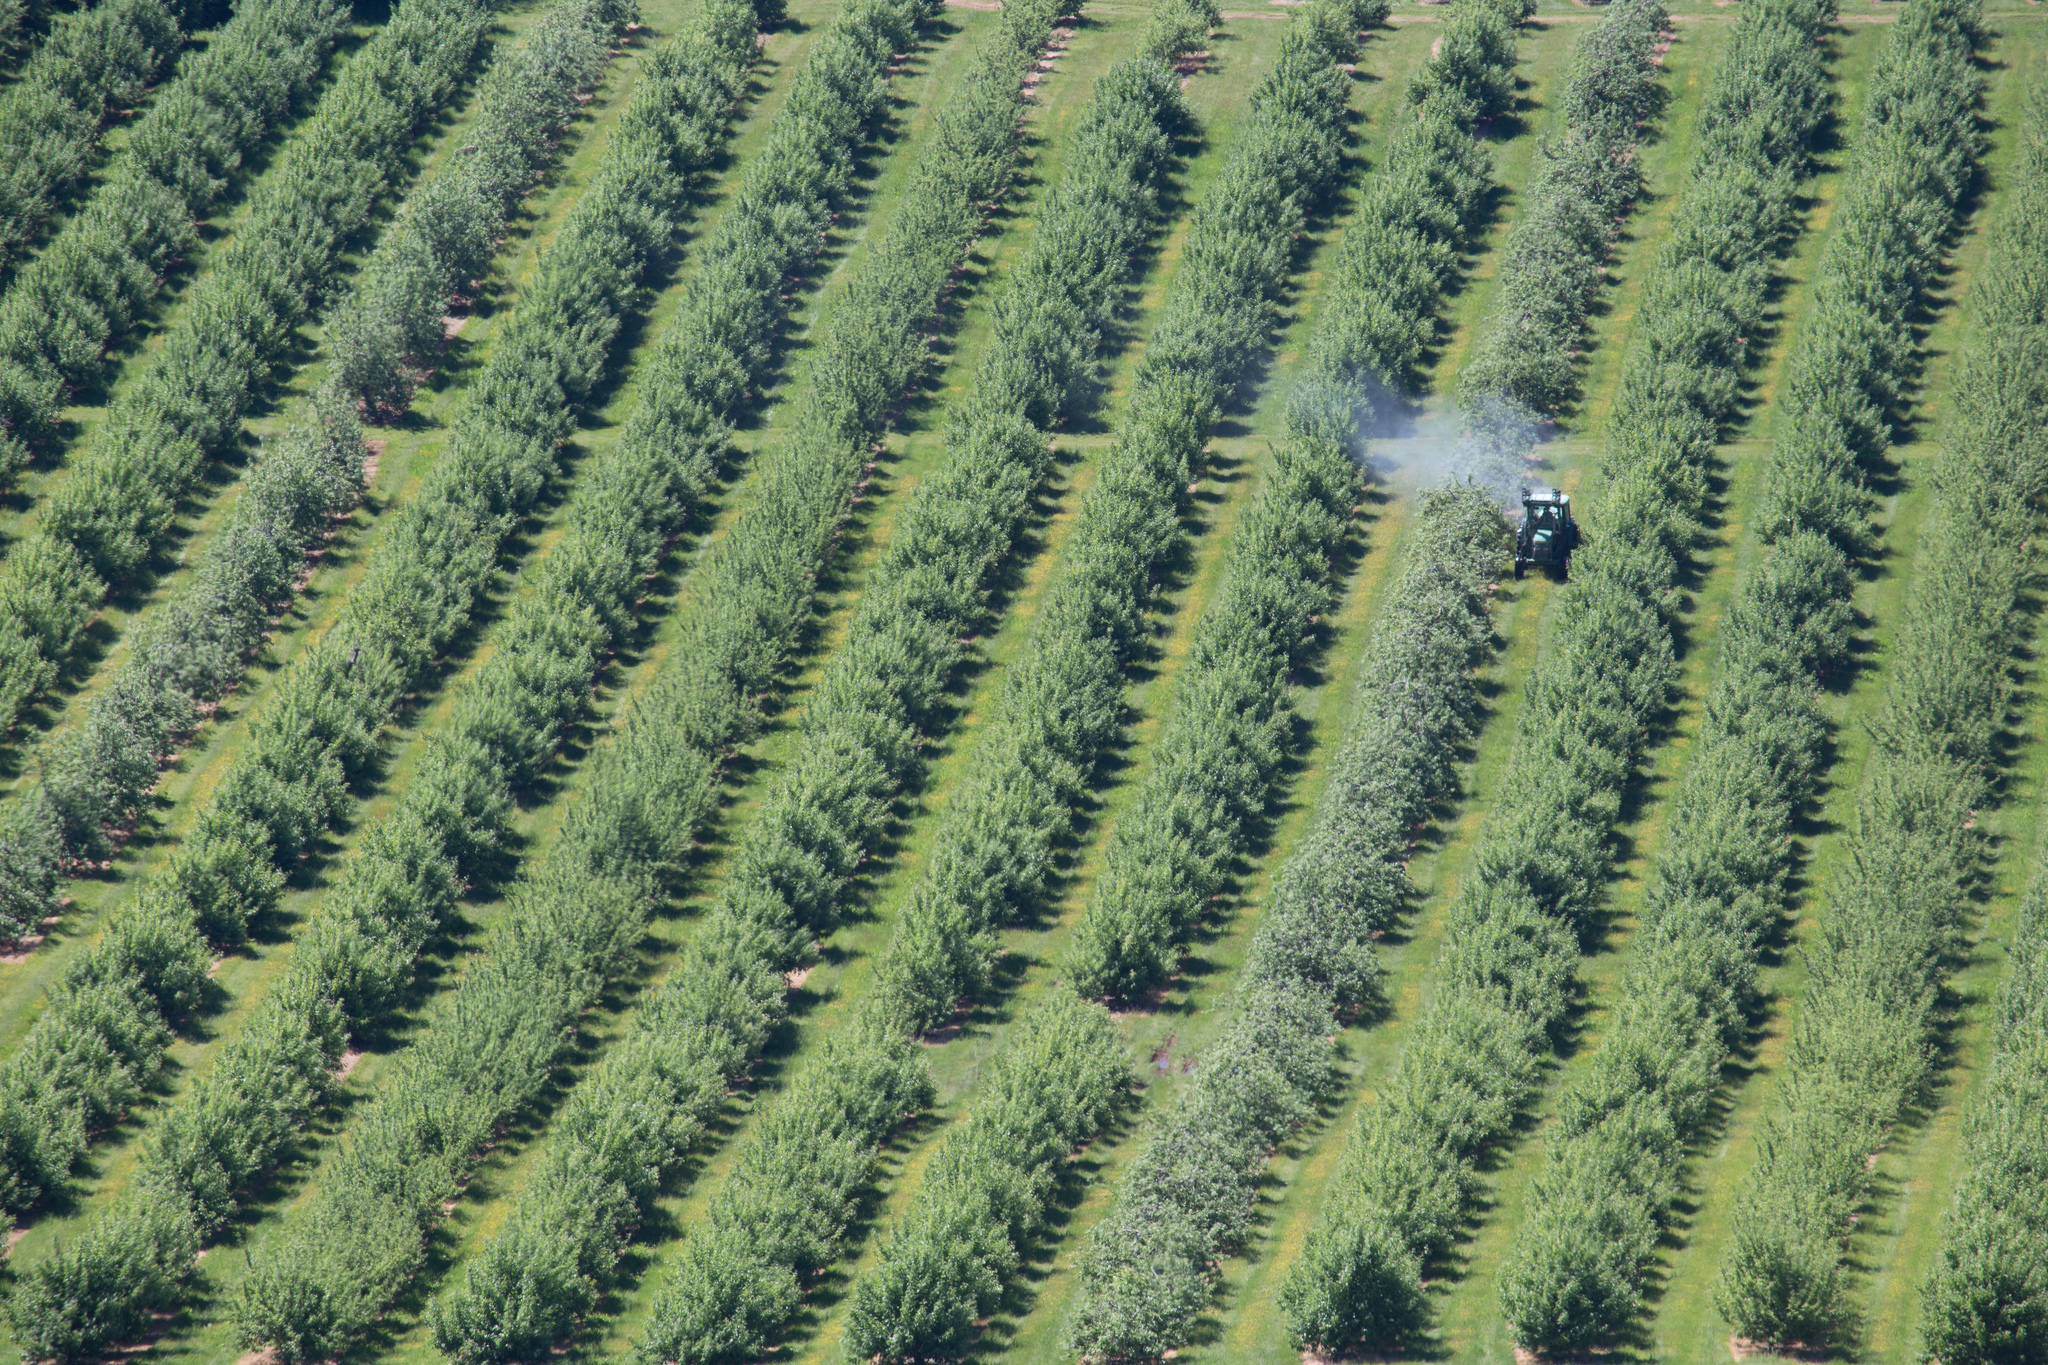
(1495, 442)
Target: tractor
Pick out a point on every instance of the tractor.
(1548, 534)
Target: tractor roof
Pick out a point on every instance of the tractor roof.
(1530, 495)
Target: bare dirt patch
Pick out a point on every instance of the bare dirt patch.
(23, 948)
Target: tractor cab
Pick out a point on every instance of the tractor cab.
(1548, 534)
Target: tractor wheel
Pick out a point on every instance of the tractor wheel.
(1518, 569)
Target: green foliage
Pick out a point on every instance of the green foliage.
(1513, 942)
(989, 1188)
(862, 727)
(437, 562)
(105, 1289)
(101, 272)
(1473, 70)
(1058, 711)
(1859, 1052)
(1190, 1193)
(650, 792)
(94, 61)
(389, 329)
(783, 1211)
(1578, 196)
(1986, 1298)
(1220, 753)
(105, 523)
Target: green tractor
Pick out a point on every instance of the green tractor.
(1548, 534)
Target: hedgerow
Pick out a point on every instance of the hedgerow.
(103, 270)
(1505, 974)
(237, 324)
(957, 526)
(576, 924)
(1060, 1077)
(723, 1269)
(51, 1094)
(1862, 1046)
(1146, 1273)
(1187, 1200)
(100, 775)
(1217, 759)
(1059, 708)
(1579, 194)
(744, 1267)
(95, 61)
(438, 560)
(1985, 1302)
(91, 780)
(1576, 1274)
(389, 328)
